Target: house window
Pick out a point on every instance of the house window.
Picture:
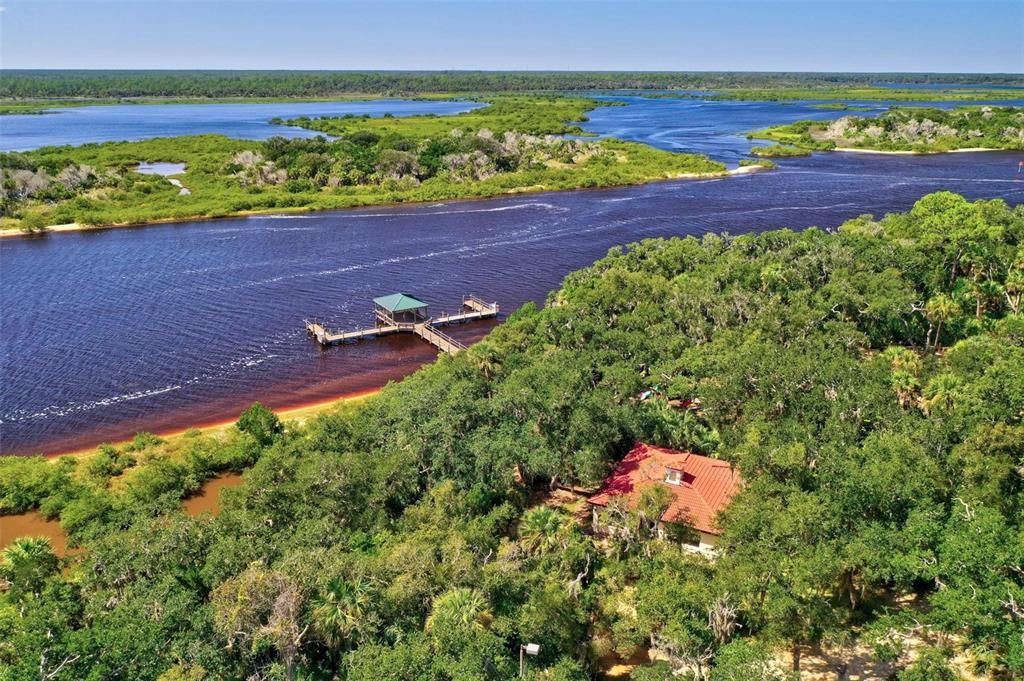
(671, 476)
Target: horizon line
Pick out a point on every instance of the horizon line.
(524, 70)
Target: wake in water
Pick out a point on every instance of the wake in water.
(230, 368)
(77, 407)
(496, 209)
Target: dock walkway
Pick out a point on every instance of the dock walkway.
(473, 308)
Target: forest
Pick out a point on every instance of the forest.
(868, 382)
(924, 130)
(17, 84)
(513, 144)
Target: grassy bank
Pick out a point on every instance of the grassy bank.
(906, 129)
(779, 151)
(866, 93)
(504, 148)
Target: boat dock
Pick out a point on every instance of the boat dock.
(403, 313)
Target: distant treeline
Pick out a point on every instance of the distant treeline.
(130, 83)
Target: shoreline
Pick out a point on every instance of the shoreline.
(43, 106)
(78, 227)
(968, 150)
(299, 414)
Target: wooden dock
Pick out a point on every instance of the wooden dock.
(473, 308)
(439, 340)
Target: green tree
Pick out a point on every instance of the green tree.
(340, 613)
(746, 660)
(939, 310)
(941, 393)
(457, 610)
(931, 665)
(261, 423)
(26, 564)
(542, 529)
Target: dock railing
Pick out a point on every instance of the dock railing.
(439, 339)
(476, 303)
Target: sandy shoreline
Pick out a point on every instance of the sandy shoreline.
(294, 414)
(747, 170)
(854, 150)
(77, 227)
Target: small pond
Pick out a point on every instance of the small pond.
(32, 524)
(207, 500)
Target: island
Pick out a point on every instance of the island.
(514, 144)
(902, 130)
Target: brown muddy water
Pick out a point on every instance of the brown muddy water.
(207, 500)
(32, 524)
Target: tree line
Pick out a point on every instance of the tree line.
(98, 84)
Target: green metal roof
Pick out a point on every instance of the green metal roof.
(399, 302)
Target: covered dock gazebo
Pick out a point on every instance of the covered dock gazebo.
(400, 309)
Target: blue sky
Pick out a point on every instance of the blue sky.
(822, 35)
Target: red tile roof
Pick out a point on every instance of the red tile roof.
(706, 487)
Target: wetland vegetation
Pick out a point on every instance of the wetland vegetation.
(515, 144)
(924, 130)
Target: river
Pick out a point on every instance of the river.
(85, 124)
(162, 327)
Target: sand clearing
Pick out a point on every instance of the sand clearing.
(295, 414)
(854, 150)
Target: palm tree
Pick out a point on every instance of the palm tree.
(540, 530)
(942, 392)
(939, 310)
(26, 564)
(487, 363)
(340, 612)
(903, 359)
(906, 386)
(681, 429)
(462, 608)
(985, 292)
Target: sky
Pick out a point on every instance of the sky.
(761, 35)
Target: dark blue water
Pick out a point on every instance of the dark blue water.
(80, 125)
(155, 328)
(717, 128)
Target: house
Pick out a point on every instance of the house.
(699, 488)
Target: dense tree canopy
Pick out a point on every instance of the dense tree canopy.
(16, 83)
(868, 383)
